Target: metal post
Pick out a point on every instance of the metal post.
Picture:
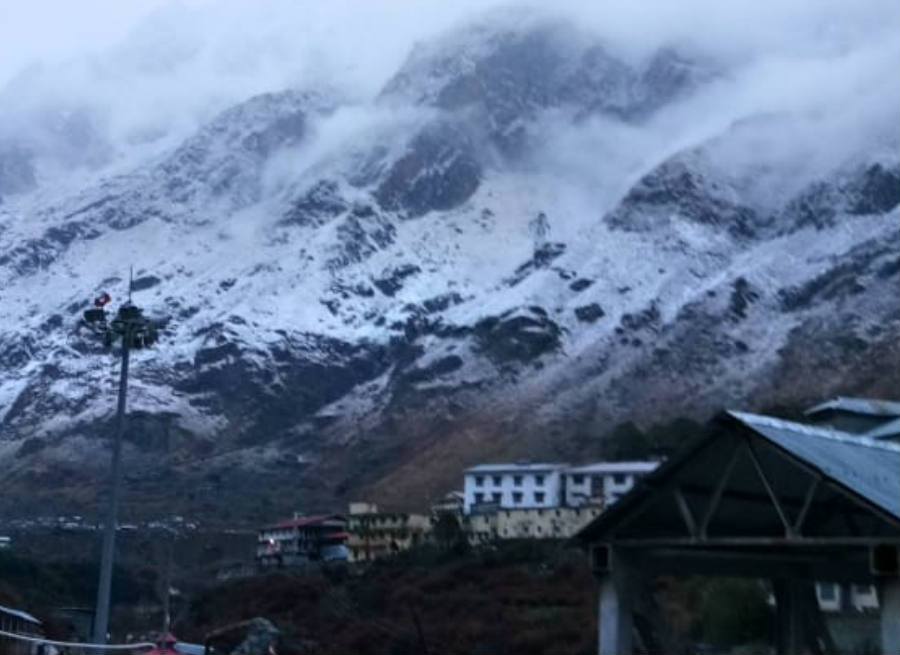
(889, 599)
(615, 611)
(167, 582)
(101, 617)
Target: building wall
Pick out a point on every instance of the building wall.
(530, 523)
(583, 486)
(481, 527)
(382, 534)
(291, 546)
(363, 508)
(578, 489)
(512, 488)
(515, 486)
(586, 488)
(616, 485)
(850, 422)
(833, 597)
(451, 503)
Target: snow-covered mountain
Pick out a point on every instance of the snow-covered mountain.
(523, 238)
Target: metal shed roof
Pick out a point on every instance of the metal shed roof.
(885, 430)
(19, 614)
(866, 468)
(869, 467)
(867, 406)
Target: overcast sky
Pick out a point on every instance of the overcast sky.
(53, 30)
(34, 30)
(145, 68)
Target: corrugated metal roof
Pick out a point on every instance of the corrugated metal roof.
(868, 406)
(885, 430)
(25, 616)
(869, 467)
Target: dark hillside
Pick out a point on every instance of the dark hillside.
(519, 599)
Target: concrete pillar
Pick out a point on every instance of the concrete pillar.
(800, 626)
(889, 600)
(791, 618)
(616, 607)
(788, 618)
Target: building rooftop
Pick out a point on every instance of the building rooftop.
(303, 521)
(19, 614)
(885, 430)
(856, 471)
(615, 467)
(596, 467)
(514, 468)
(867, 406)
(869, 467)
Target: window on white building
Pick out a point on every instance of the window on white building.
(538, 496)
(539, 479)
(517, 480)
(577, 479)
(479, 480)
(517, 496)
(827, 591)
(479, 498)
(497, 497)
(497, 480)
(619, 478)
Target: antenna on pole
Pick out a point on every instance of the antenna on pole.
(130, 281)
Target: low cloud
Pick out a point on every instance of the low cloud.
(832, 62)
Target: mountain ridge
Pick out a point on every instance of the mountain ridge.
(361, 311)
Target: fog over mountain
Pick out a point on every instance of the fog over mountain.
(393, 239)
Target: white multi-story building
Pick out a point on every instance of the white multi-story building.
(602, 483)
(525, 486)
(512, 486)
(834, 597)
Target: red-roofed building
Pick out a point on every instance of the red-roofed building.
(302, 539)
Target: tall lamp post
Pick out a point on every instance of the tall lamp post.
(132, 330)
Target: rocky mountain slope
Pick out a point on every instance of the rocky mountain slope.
(524, 239)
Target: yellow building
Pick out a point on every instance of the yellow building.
(374, 534)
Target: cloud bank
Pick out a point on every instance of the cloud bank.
(832, 62)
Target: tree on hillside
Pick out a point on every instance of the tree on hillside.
(448, 533)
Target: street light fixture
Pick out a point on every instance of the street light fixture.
(132, 330)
